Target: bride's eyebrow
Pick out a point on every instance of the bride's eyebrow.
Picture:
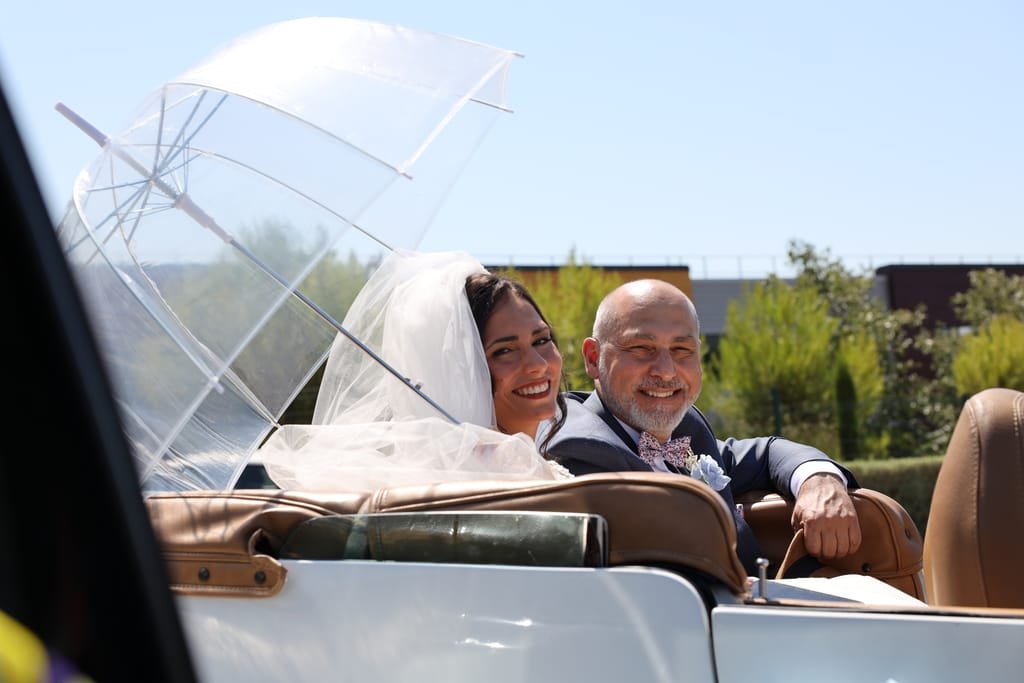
(503, 340)
(543, 329)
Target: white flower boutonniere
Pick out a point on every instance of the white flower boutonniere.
(705, 468)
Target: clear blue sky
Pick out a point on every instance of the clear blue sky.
(644, 132)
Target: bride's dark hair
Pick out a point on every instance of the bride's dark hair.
(485, 291)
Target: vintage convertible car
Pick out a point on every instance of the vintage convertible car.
(603, 577)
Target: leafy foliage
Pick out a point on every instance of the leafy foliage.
(881, 383)
(914, 409)
(992, 293)
(860, 387)
(778, 347)
(991, 356)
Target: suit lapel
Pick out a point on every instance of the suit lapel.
(595, 405)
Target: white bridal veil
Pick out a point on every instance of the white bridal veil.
(370, 430)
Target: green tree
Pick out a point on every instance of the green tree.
(991, 356)
(991, 293)
(860, 387)
(569, 298)
(777, 351)
(916, 408)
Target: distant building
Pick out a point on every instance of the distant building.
(907, 286)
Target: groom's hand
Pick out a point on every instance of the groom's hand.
(825, 512)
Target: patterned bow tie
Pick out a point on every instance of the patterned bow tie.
(673, 451)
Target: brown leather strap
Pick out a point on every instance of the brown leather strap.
(244, 574)
(799, 563)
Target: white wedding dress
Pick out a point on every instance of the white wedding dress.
(369, 429)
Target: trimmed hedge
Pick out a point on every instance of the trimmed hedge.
(910, 481)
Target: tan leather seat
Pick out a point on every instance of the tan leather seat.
(227, 542)
(890, 550)
(974, 545)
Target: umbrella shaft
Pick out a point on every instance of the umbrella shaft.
(340, 328)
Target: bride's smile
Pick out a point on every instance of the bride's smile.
(535, 389)
(524, 363)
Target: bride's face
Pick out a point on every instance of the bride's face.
(525, 366)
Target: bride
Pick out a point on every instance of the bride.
(476, 343)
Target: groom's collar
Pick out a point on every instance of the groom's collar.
(633, 433)
(629, 436)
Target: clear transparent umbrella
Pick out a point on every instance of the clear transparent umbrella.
(293, 158)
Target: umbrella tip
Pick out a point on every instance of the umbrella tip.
(83, 125)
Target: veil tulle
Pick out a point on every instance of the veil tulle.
(370, 430)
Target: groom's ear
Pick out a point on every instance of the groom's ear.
(591, 351)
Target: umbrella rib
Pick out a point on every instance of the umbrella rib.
(182, 143)
(103, 140)
(183, 164)
(132, 199)
(340, 328)
(307, 197)
(91, 231)
(452, 112)
(212, 379)
(128, 412)
(133, 289)
(160, 130)
(304, 122)
(138, 217)
(492, 105)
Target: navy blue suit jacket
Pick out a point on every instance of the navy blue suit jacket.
(592, 440)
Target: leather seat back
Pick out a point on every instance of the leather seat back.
(217, 542)
(973, 547)
(653, 517)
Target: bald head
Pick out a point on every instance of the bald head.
(615, 309)
(644, 356)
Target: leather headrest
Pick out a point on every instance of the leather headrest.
(973, 547)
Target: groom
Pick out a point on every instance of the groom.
(644, 359)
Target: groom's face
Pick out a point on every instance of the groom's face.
(647, 367)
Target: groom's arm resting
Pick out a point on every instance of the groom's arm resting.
(825, 512)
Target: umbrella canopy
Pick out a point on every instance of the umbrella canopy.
(293, 158)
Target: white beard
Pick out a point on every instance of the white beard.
(661, 420)
(655, 421)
